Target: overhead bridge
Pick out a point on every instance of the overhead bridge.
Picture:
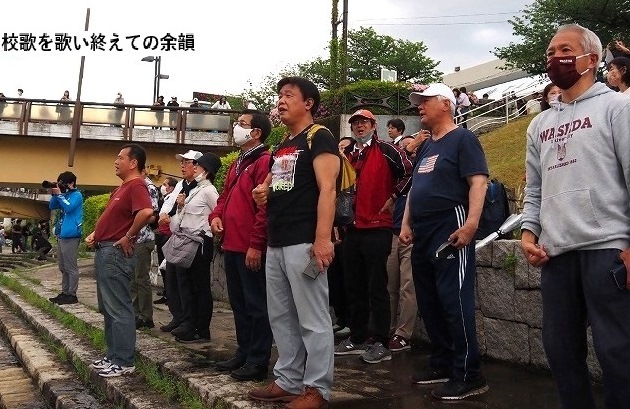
(41, 138)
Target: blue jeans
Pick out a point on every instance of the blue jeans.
(113, 289)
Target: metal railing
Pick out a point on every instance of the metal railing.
(181, 121)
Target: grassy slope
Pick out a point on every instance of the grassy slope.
(505, 152)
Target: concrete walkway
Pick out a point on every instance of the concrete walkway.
(357, 384)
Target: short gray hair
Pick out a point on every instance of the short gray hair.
(590, 41)
(450, 103)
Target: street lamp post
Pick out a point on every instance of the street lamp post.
(157, 76)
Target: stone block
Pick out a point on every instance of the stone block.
(502, 249)
(536, 350)
(496, 293)
(591, 360)
(483, 256)
(481, 337)
(521, 272)
(528, 307)
(507, 340)
(534, 276)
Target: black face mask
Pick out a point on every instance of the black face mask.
(562, 72)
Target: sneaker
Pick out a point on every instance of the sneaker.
(190, 338)
(102, 363)
(140, 323)
(116, 370)
(342, 332)
(67, 299)
(250, 372)
(347, 347)
(429, 376)
(169, 327)
(456, 389)
(56, 299)
(398, 343)
(376, 353)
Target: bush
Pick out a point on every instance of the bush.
(276, 135)
(226, 162)
(93, 207)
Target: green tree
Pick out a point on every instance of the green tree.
(609, 19)
(368, 51)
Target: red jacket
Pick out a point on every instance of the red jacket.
(383, 170)
(244, 223)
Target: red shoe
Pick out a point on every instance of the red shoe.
(310, 399)
(272, 393)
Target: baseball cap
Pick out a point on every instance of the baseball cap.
(194, 155)
(195, 99)
(364, 113)
(433, 90)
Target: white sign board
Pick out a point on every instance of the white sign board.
(389, 75)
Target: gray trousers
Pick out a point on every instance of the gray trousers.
(141, 282)
(67, 253)
(301, 325)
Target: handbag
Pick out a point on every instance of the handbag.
(181, 248)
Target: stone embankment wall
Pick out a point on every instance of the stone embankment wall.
(508, 302)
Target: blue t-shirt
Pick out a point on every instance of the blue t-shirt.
(439, 178)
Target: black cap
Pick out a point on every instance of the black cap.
(210, 162)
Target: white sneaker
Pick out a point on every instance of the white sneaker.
(116, 370)
(102, 363)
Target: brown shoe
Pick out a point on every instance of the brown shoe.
(271, 393)
(310, 399)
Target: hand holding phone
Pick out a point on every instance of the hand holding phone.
(312, 269)
(446, 249)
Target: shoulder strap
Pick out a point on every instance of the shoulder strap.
(311, 133)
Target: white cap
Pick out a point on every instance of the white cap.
(194, 155)
(433, 90)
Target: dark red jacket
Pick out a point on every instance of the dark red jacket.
(383, 170)
(244, 223)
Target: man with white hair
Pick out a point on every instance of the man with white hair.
(576, 221)
(441, 218)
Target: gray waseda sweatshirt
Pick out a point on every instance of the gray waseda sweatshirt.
(578, 173)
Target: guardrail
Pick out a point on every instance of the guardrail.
(181, 121)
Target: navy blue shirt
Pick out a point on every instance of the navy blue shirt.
(439, 177)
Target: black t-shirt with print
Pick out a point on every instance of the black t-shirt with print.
(293, 195)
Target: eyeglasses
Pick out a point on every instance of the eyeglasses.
(362, 121)
(184, 162)
(242, 124)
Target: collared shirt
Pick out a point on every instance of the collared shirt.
(146, 233)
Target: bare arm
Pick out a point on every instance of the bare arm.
(476, 196)
(326, 166)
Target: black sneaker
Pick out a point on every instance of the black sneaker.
(230, 364)
(140, 323)
(67, 299)
(250, 372)
(56, 299)
(169, 327)
(456, 389)
(190, 338)
(430, 375)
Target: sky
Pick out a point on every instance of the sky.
(237, 42)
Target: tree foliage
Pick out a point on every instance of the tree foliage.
(609, 19)
(368, 51)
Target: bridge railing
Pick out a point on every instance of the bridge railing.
(173, 124)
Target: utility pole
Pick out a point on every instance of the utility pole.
(77, 113)
(344, 45)
(334, 47)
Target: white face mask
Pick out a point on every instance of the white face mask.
(200, 176)
(163, 190)
(242, 135)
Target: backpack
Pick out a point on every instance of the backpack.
(495, 210)
(346, 184)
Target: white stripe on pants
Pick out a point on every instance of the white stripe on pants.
(300, 321)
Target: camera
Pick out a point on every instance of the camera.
(49, 185)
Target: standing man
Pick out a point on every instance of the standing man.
(128, 210)
(69, 201)
(444, 204)
(383, 175)
(576, 221)
(300, 217)
(243, 227)
(141, 281)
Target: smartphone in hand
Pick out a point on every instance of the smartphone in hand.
(618, 274)
(312, 269)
